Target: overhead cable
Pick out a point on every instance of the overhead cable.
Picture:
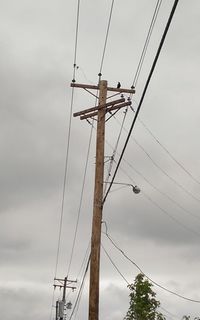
(127, 282)
(81, 201)
(114, 152)
(80, 289)
(180, 223)
(161, 192)
(144, 93)
(115, 265)
(143, 54)
(156, 188)
(137, 266)
(169, 153)
(106, 38)
(67, 149)
(68, 141)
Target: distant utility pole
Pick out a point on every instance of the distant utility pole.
(62, 284)
(100, 111)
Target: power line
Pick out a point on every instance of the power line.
(81, 200)
(151, 184)
(161, 192)
(170, 216)
(115, 265)
(67, 148)
(76, 39)
(80, 289)
(169, 153)
(127, 282)
(165, 173)
(79, 299)
(165, 211)
(164, 194)
(137, 266)
(144, 92)
(106, 38)
(144, 50)
(68, 141)
(84, 260)
(114, 151)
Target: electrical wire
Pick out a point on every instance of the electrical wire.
(164, 194)
(163, 210)
(185, 227)
(76, 38)
(143, 54)
(143, 94)
(137, 266)
(67, 148)
(78, 300)
(170, 216)
(160, 191)
(173, 316)
(189, 193)
(114, 265)
(106, 38)
(81, 200)
(127, 282)
(80, 289)
(84, 260)
(114, 152)
(169, 153)
(68, 144)
(166, 174)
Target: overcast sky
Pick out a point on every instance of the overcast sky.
(159, 229)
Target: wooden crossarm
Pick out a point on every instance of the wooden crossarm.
(119, 106)
(76, 114)
(89, 86)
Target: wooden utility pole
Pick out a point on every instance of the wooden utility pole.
(99, 111)
(62, 284)
(97, 206)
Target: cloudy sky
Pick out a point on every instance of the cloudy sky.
(159, 229)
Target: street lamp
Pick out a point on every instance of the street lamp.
(135, 189)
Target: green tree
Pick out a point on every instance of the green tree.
(143, 303)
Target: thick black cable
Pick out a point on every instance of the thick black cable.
(106, 39)
(144, 92)
(137, 266)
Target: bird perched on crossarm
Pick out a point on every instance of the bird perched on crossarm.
(118, 85)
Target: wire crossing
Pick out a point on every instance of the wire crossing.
(144, 92)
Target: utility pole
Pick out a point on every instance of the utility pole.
(57, 305)
(99, 111)
(97, 206)
(62, 284)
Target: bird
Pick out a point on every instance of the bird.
(118, 85)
